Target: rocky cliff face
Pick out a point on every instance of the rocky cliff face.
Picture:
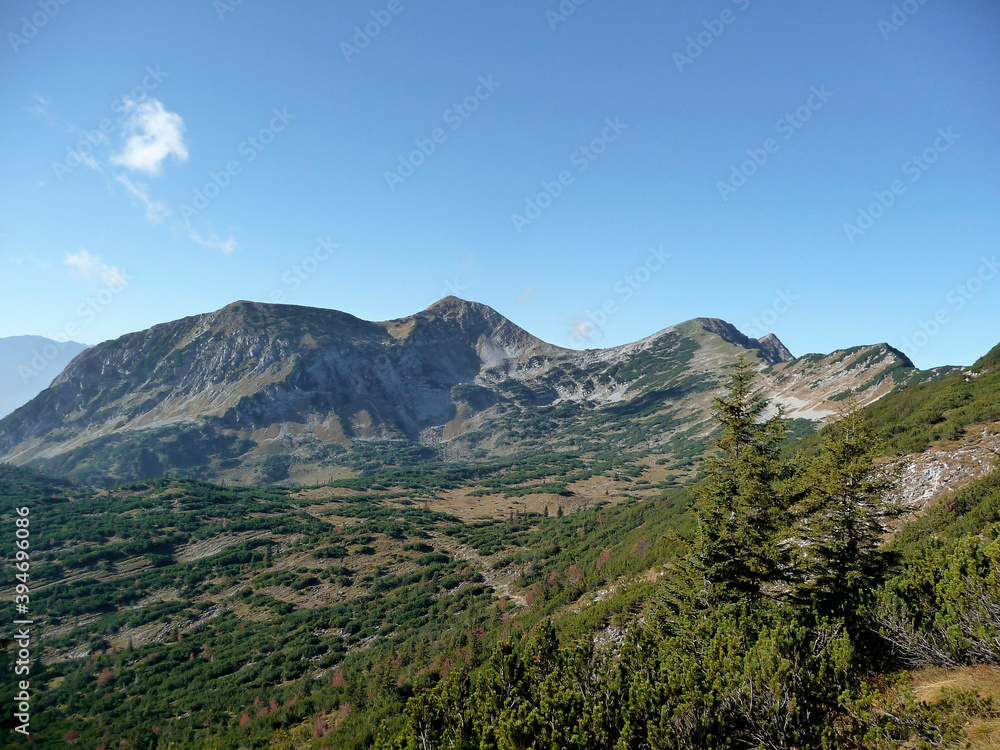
(251, 386)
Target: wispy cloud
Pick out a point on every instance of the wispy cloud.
(227, 247)
(90, 267)
(152, 134)
(156, 211)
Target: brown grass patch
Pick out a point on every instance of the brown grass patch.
(936, 685)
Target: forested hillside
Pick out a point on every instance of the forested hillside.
(178, 611)
(780, 626)
(759, 607)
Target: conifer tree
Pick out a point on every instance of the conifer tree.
(740, 508)
(843, 518)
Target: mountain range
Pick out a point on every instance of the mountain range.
(478, 492)
(264, 392)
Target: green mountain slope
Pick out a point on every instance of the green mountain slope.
(186, 606)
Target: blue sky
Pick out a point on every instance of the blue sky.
(595, 172)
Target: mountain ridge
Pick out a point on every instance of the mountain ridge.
(230, 393)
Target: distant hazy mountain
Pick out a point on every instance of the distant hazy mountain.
(261, 392)
(27, 365)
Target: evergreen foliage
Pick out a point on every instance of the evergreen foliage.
(740, 511)
(842, 518)
(942, 607)
(729, 663)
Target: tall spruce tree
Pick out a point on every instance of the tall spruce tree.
(741, 509)
(843, 517)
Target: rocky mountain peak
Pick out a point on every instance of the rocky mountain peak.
(454, 304)
(237, 312)
(770, 348)
(468, 314)
(771, 345)
(474, 323)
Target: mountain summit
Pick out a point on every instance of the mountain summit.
(770, 348)
(258, 392)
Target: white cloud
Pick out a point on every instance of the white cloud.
(225, 246)
(90, 266)
(152, 134)
(156, 211)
